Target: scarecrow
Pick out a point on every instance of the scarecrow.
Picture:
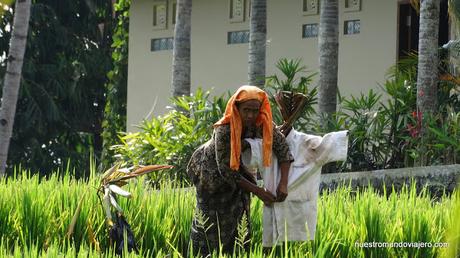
(295, 218)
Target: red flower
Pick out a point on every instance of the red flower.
(417, 115)
(414, 131)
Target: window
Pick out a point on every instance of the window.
(173, 12)
(248, 6)
(237, 37)
(161, 44)
(159, 15)
(310, 7)
(352, 27)
(310, 30)
(237, 10)
(352, 5)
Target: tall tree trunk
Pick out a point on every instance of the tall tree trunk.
(427, 72)
(257, 43)
(328, 47)
(181, 50)
(427, 76)
(454, 31)
(13, 77)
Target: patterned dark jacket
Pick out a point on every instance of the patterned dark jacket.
(220, 202)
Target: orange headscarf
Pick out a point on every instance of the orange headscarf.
(232, 117)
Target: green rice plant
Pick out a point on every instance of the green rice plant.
(452, 237)
(242, 238)
(56, 250)
(35, 216)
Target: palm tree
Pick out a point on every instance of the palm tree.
(453, 45)
(427, 71)
(427, 76)
(13, 77)
(328, 47)
(181, 49)
(257, 42)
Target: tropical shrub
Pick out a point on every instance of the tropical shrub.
(384, 132)
(172, 138)
(62, 96)
(297, 79)
(439, 144)
(387, 134)
(366, 124)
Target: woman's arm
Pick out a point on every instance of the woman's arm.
(222, 147)
(261, 193)
(281, 150)
(281, 190)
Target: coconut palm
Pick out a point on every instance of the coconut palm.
(181, 50)
(427, 76)
(328, 47)
(454, 15)
(454, 44)
(13, 77)
(257, 42)
(427, 71)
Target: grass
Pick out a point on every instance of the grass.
(35, 215)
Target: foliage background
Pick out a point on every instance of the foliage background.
(384, 132)
(65, 87)
(172, 138)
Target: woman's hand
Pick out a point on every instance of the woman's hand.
(281, 192)
(267, 197)
(282, 189)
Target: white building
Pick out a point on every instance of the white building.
(373, 34)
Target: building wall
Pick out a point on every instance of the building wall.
(363, 58)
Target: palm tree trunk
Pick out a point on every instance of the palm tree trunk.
(13, 77)
(257, 42)
(427, 76)
(454, 31)
(328, 44)
(181, 50)
(427, 73)
(328, 47)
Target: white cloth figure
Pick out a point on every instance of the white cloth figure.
(295, 218)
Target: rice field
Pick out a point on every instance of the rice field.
(35, 216)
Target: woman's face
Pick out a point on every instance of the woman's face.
(249, 111)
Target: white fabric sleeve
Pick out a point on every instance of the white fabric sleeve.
(253, 158)
(333, 147)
